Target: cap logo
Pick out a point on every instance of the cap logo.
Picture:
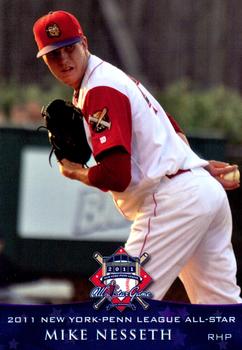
(53, 31)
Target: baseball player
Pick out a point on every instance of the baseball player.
(180, 213)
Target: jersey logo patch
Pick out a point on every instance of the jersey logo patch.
(100, 120)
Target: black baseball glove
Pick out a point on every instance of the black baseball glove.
(66, 132)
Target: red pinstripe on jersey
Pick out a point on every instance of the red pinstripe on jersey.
(149, 226)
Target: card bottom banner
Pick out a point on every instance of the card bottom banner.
(163, 325)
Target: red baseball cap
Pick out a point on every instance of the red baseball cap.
(55, 30)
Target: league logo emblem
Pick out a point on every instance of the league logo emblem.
(120, 280)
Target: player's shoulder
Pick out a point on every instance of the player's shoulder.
(103, 73)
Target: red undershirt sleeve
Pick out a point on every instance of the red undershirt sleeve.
(108, 114)
(113, 173)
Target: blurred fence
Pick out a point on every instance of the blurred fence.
(164, 40)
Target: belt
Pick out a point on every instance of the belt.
(179, 172)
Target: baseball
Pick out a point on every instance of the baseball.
(232, 176)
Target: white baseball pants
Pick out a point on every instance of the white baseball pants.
(186, 227)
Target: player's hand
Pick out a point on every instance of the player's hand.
(217, 169)
(74, 171)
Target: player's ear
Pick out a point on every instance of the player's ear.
(85, 42)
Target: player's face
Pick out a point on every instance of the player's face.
(68, 64)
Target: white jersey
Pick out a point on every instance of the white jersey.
(119, 111)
